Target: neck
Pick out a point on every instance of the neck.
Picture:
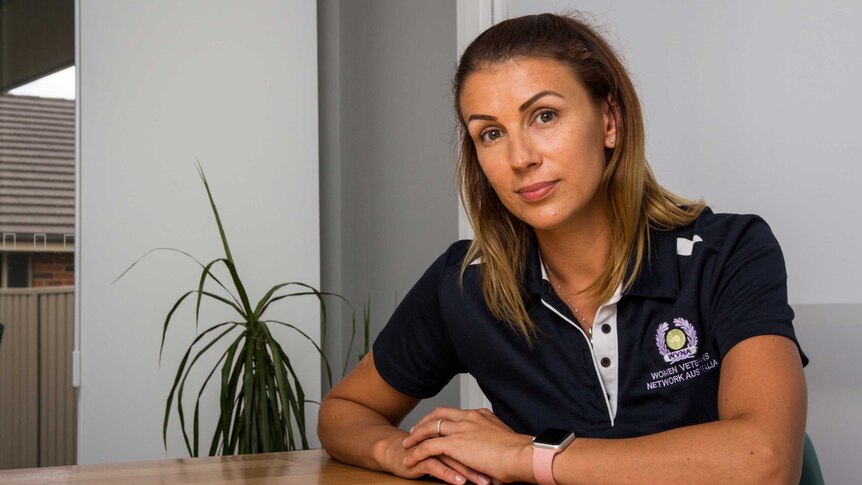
(578, 252)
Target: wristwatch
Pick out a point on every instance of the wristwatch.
(545, 448)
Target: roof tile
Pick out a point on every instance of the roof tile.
(37, 166)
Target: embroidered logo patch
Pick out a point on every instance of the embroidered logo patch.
(676, 344)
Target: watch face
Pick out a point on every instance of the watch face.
(553, 436)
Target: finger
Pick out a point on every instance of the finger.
(438, 469)
(417, 435)
(425, 429)
(441, 412)
(424, 450)
(432, 429)
(455, 414)
(445, 421)
(468, 472)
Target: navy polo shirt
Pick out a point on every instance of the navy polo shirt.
(653, 362)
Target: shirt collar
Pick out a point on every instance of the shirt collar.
(658, 276)
(534, 274)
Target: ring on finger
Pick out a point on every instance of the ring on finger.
(439, 425)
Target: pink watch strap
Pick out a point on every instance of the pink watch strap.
(543, 465)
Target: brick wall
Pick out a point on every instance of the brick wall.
(53, 269)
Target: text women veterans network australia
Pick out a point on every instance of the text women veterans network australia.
(682, 372)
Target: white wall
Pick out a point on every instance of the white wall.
(753, 106)
(162, 82)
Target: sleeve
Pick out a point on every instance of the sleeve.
(751, 292)
(414, 353)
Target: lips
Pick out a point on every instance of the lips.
(537, 191)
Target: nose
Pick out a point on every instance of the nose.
(523, 153)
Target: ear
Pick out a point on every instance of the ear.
(610, 115)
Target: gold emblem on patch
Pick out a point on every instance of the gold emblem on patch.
(675, 339)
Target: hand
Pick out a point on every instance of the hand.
(443, 467)
(474, 438)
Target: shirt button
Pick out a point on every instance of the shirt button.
(606, 362)
(606, 328)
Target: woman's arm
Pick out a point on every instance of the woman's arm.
(757, 439)
(358, 424)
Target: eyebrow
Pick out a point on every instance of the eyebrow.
(536, 97)
(521, 108)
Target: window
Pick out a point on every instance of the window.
(37, 217)
(15, 270)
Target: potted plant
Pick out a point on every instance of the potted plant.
(261, 399)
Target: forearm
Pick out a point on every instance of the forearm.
(355, 434)
(757, 440)
(758, 437)
(727, 451)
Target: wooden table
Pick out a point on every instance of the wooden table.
(291, 468)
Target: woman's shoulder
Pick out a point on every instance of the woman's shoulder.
(728, 230)
(709, 218)
(724, 246)
(448, 264)
(455, 254)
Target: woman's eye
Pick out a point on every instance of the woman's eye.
(490, 135)
(546, 117)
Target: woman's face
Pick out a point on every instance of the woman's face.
(540, 139)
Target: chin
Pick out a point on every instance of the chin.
(545, 227)
(546, 223)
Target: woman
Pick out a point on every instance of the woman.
(592, 301)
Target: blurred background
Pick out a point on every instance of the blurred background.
(326, 131)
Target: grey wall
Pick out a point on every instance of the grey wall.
(388, 200)
(830, 335)
(753, 106)
(162, 82)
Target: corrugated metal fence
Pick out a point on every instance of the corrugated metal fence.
(38, 406)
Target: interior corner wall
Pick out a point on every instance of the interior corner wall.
(161, 83)
(329, 107)
(388, 146)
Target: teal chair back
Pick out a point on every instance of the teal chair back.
(811, 474)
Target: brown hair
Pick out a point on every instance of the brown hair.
(634, 199)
